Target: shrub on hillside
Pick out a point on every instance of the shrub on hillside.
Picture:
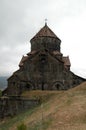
(22, 127)
(0, 93)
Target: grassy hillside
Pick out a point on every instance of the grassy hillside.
(59, 110)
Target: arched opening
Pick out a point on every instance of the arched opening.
(57, 86)
(29, 86)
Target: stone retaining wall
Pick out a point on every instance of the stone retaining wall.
(13, 105)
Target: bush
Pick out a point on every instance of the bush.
(22, 127)
(0, 93)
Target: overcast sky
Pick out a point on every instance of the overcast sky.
(20, 20)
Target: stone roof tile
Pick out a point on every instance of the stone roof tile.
(24, 58)
(66, 61)
(45, 32)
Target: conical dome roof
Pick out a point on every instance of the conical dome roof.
(45, 32)
(45, 38)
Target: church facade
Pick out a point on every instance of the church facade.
(44, 68)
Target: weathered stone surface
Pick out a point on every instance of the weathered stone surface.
(13, 105)
(44, 67)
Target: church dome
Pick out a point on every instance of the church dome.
(45, 32)
(45, 38)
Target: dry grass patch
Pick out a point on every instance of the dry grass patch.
(59, 110)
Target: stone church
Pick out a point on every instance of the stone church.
(44, 68)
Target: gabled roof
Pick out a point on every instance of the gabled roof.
(32, 52)
(45, 32)
(24, 58)
(57, 53)
(66, 61)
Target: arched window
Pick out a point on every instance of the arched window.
(57, 86)
(29, 86)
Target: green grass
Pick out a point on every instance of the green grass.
(16, 120)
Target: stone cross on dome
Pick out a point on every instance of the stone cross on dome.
(46, 21)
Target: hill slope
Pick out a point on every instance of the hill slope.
(60, 110)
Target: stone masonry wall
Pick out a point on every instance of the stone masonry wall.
(13, 105)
